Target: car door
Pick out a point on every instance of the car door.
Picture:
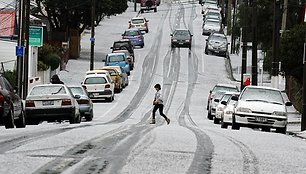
(15, 99)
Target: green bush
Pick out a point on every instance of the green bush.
(49, 55)
(41, 66)
(53, 60)
(11, 76)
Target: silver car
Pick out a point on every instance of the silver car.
(86, 105)
(261, 107)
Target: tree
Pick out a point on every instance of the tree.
(76, 14)
(291, 52)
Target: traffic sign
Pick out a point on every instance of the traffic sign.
(35, 36)
(19, 51)
(92, 39)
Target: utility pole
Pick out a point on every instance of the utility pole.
(244, 43)
(284, 17)
(26, 55)
(303, 121)
(21, 44)
(229, 16)
(254, 43)
(92, 39)
(275, 44)
(233, 46)
(135, 5)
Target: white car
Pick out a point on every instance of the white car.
(99, 85)
(51, 102)
(221, 105)
(227, 114)
(211, 27)
(261, 107)
(139, 22)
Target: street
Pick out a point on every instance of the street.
(120, 139)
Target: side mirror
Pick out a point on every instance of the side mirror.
(216, 100)
(235, 98)
(77, 96)
(171, 34)
(207, 40)
(224, 102)
(288, 103)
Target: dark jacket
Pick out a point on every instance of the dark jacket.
(55, 80)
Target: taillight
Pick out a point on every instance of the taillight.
(66, 102)
(83, 101)
(107, 86)
(30, 103)
(2, 99)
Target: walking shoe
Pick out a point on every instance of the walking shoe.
(153, 121)
(168, 120)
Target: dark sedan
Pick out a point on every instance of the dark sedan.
(181, 38)
(11, 107)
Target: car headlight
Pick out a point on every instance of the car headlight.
(174, 40)
(187, 40)
(209, 46)
(279, 113)
(241, 109)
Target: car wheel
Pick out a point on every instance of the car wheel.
(142, 46)
(209, 116)
(147, 30)
(89, 117)
(20, 122)
(128, 73)
(281, 130)
(206, 52)
(223, 125)
(216, 120)
(141, 11)
(155, 9)
(235, 126)
(9, 120)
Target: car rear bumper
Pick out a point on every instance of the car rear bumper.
(100, 94)
(217, 51)
(50, 114)
(227, 118)
(260, 121)
(85, 109)
(181, 44)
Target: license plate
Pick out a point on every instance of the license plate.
(261, 119)
(48, 102)
(95, 94)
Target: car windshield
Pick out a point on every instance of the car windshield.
(182, 33)
(77, 90)
(121, 45)
(219, 95)
(95, 80)
(224, 88)
(265, 95)
(116, 58)
(47, 90)
(132, 33)
(218, 38)
(212, 23)
(226, 97)
(112, 72)
(137, 21)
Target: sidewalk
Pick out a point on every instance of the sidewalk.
(294, 117)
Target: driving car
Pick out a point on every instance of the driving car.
(11, 107)
(217, 44)
(129, 57)
(85, 103)
(99, 85)
(139, 22)
(51, 102)
(227, 114)
(261, 107)
(181, 38)
(118, 59)
(123, 44)
(121, 74)
(146, 5)
(218, 87)
(135, 36)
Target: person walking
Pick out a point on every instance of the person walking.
(56, 80)
(158, 104)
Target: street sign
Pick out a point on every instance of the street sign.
(246, 79)
(19, 51)
(92, 39)
(35, 36)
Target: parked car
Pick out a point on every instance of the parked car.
(213, 106)
(261, 107)
(121, 74)
(222, 105)
(99, 85)
(123, 44)
(85, 103)
(146, 5)
(51, 102)
(11, 106)
(129, 57)
(219, 87)
(139, 22)
(181, 38)
(115, 75)
(217, 44)
(135, 36)
(227, 114)
(118, 59)
(210, 27)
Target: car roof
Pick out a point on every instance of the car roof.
(226, 85)
(262, 87)
(218, 34)
(97, 71)
(133, 29)
(115, 54)
(138, 17)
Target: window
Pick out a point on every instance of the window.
(95, 80)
